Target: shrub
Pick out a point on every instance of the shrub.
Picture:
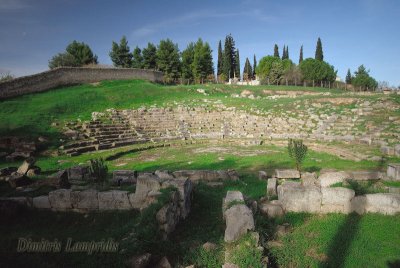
(98, 170)
(298, 151)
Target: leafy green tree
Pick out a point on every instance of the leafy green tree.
(237, 64)
(82, 53)
(265, 65)
(120, 55)
(229, 57)
(301, 54)
(62, 59)
(254, 67)
(298, 152)
(287, 64)
(276, 51)
(348, 77)
(150, 57)
(316, 70)
(220, 59)
(276, 72)
(202, 65)
(319, 54)
(293, 74)
(247, 71)
(168, 60)
(363, 80)
(187, 60)
(137, 58)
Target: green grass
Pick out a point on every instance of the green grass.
(337, 240)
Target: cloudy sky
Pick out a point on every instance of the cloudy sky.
(353, 32)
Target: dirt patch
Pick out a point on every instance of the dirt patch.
(245, 93)
(312, 252)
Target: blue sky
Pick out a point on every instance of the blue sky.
(353, 32)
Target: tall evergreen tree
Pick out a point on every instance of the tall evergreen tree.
(120, 55)
(284, 52)
(276, 51)
(187, 61)
(254, 67)
(287, 52)
(301, 54)
(237, 64)
(220, 59)
(229, 57)
(150, 57)
(247, 70)
(348, 77)
(137, 59)
(319, 54)
(168, 60)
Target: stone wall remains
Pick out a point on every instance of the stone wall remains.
(66, 76)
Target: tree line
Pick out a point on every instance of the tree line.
(195, 63)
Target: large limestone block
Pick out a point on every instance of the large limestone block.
(271, 187)
(388, 204)
(41, 202)
(85, 200)
(297, 198)
(329, 178)
(185, 187)
(272, 209)
(397, 149)
(78, 172)
(60, 200)
(111, 200)
(121, 177)
(262, 175)
(164, 174)
(358, 204)
(310, 178)
(336, 199)
(393, 172)
(207, 175)
(365, 175)
(239, 219)
(287, 174)
(230, 198)
(26, 165)
(145, 184)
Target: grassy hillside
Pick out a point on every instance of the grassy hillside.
(32, 115)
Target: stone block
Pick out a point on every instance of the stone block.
(111, 200)
(78, 173)
(85, 200)
(239, 219)
(310, 178)
(336, 199)
(271, 187)
(388, 204)
(124, 177)
(272, 209)
(329, 178)
(262, 175)
(397, 149)
(60, 200)
(393, 171)
(387, 150)
(41, 202)
(287, 174)
(365, 175)
(297, 198)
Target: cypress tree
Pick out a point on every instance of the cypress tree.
(229, 57)
(319, 55)
(284, 52)
(276, 51)
(254, 67)
(237, 64)
(220, 59)
(287, 52)
(348, 77)
(301, 54)
(247, 71)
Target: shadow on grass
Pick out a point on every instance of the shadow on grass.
(393, 264)
(340, 245)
